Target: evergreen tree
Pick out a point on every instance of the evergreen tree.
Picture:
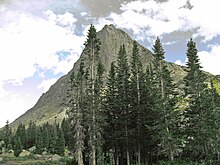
(77, 112)
(60, 144)
(167, 103)
(194, 80)
(46, 135)
(31, 134)
(210, 104)
(92, 48)
(195, 126)
(100, 118)
(137, 88)
(53, 138)
(111, 134)
(153, 115)
(17, 146)
(123, 88)
(40, 147)
(21, 133)
(65, 125)
(7, 136)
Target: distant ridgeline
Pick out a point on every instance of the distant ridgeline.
(122, 104)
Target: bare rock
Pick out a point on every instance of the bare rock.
(44, 153)
(2, 143)
(32, 149)
(38, 156)
(24, 153)
(56, 157)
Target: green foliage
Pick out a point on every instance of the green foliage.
(216, 85)
(21, 133)
(60, 143)
(65, 126)
(7, 136)
(17, 146)
(68, 161)
(31, 134)
(40, 146)
(195, 78)
(199, 124)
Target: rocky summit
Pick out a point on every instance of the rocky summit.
(53, 105)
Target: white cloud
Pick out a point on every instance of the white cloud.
(179, 62)
(45, 85)
(210, 60)
(29, 45)
(204, 15)
(66, 20)
(13, 105)
(27, 41)
(83, 14)
(156, 18)
(163, 18)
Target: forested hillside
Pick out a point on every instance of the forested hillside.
(138, 115)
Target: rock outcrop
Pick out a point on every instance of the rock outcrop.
(24, 153)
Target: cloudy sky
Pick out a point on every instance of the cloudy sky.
(41, 39)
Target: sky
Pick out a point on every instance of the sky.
(41, 39)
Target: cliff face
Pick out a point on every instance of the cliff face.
(52, 105)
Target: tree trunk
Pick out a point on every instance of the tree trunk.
(80, 157)
(128, 157)
(78, 122)
(139, 131)
(171, 155)
(139, 153)
(116, 158)
(93, 155)
(127, 151)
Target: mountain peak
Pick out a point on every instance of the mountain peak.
(54, 103)
(110, 26)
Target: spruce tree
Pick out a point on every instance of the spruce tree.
(194, 114)
(65, 125)
(153, 115)
(92, 50)
(17, 146)
(111, 134)
(31, 134)
(40, 147)
(194, 80)
(53, 138)
(46, 136)
(7, 136)
(123, 88)
(137, 88)
(21, 133)
(60, 144)
(168, 101)
(100, 118)
(77, 112)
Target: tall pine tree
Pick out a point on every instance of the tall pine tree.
(195, 128)
(77, 112)
(94, 73)
(137, 88)
(168, 101)
(123, 87)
